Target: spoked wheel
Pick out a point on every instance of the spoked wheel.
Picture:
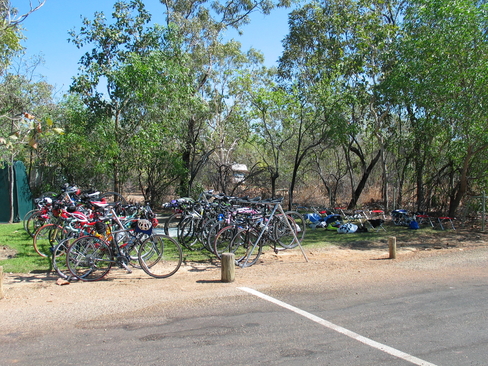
(46, 238)
(131, 243)
(212, 234)
(89, 258)
(223, 239)
(160, 256)
(35, 221)
(172, 224)
(287, 227)
(59, 260)
(188, 234)
(300, 223)
(27, 216)
(245, 247)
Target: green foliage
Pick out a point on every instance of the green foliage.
(10, 37)
(439, 77)
(171, 108)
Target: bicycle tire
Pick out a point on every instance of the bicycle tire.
(244, 247)
(160, 256)
(27, 216)
(46, 238)
(215, 227)
(172, 224)
(284, 236)
(132, 246)
(59, 262)
(223, 240)
(300, 222)
(187, 234)
(35, 221)
(89, 258)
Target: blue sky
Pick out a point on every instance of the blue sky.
(47, 33)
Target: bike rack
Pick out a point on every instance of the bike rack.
(277, 206)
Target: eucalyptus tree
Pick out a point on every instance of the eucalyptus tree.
(331, 168)
(203, 26)
(442, 74)
(269, 122)
(129, 79)
(227, 120)
(79, 155)
(161, 100)
(337, 52)
(10, 30)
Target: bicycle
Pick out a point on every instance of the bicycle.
(78, 226)
(91, 257)
(249, 233)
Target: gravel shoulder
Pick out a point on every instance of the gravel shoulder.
(35, 303)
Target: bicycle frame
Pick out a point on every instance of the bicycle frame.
(264, 229)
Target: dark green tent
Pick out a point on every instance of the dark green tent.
(22, 193)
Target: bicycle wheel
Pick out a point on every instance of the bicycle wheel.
(204, 227)
(244, 247)
(172, 224)
(300, 223)
(27, 216)
(46, 238)
(284, 231)
(89, 258)
(59, 260)
(130, 247)
(212, 234)
(35, 221)
(223, 240)
(160, 256)
(187, 234)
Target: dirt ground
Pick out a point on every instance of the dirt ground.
(36, 299)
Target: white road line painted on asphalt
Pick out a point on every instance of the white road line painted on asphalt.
(325, 323)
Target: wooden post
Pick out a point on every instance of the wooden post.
(228, 267)
(392, 246)
(1, 283)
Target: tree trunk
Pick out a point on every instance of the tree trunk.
(186, 156)
(274, 177)
(362, 182)
(349, 169)
(462, 186)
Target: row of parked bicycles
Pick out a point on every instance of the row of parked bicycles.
(84, 235)
(242, 226)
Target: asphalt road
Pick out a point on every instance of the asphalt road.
(438, 321)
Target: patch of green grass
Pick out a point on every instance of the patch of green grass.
(321, 237)
(26, 259)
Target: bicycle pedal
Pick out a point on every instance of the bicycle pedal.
(126, 268)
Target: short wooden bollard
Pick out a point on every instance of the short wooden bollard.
(392, 247)
(1, 282)
(228, 267)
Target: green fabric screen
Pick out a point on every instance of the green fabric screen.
(22, 194)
